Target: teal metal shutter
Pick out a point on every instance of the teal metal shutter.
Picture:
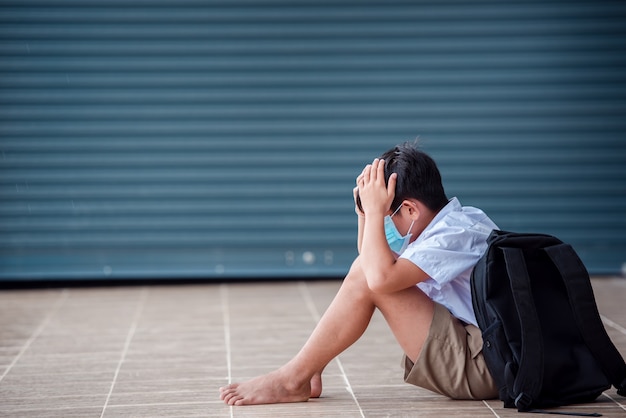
(202, 139)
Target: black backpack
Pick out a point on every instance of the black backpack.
(543, 339)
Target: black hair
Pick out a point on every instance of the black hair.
(418, 177)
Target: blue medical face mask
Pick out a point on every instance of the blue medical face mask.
(396, 241)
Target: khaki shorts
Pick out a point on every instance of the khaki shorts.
(451, 361)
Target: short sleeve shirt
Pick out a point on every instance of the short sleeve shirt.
(447, 251)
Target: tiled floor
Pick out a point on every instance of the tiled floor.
(163, 351)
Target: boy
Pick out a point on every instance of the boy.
(416, 253)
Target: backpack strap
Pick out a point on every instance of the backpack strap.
(586, 313)
(528, 382)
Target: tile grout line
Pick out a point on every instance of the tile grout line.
(614, 401)
(226, 320)
(227, 339)
(131, 333)
(308, 300)
(57, 304)
(491, 409)
(612, 324)
(621, 329)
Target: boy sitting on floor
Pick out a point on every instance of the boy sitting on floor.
(416, 253)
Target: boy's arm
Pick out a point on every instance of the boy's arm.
(383, 272)
(361, 226)
(360, 220)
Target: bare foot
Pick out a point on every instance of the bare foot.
(274, 387)
(316, 385)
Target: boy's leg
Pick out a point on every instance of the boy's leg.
(408, 312)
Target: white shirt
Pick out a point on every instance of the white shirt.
(447, 250)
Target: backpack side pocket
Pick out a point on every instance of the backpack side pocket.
(499, 358)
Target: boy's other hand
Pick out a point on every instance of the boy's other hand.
(376, 197)
(355, 193)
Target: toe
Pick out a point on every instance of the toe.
(226, 390)
(228, 387)
(231, 397)
(224, 393)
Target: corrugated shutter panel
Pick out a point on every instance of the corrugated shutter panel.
(146, 139)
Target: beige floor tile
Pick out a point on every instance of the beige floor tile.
(39, 402)
(48, 412)
(164, 351)
(170, 410)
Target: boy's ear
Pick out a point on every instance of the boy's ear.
(413, 208)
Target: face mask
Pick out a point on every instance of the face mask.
(396, 241)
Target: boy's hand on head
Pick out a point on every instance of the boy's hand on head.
(375, 196)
